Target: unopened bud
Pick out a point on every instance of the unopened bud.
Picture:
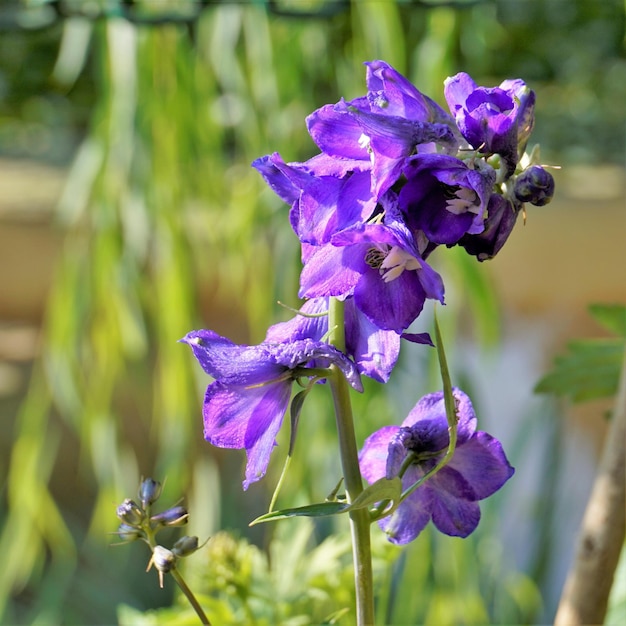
(534, 185)
(131, 513)
(176, 516)
(149, 492)
(128, 533)
(164, 561)
(185, 546)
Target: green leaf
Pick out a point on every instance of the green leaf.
(590, 369)
(381, 490)
(611, 316)
(321, 509)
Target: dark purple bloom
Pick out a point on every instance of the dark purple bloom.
(495, 120)
(377, 263)
(244, 407)
(534, 185)
(450, 497)
(445, 198)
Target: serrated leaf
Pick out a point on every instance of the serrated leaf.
(610, 316)
(590, 369)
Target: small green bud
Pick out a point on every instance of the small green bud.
(149, 492)
(185, 546)
(131, 513)
(176, 516)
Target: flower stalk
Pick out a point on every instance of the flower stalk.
(359, 518)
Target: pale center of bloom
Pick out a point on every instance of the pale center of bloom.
(391, 262)
(364, 143)
(461, 200)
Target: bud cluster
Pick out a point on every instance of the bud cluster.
(137, 522)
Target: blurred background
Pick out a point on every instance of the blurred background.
(129, 215)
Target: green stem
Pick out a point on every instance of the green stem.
(359, 519)
(176, 575)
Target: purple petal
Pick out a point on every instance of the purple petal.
(375, 351)
(411, 517)
(280, 184)
(337, 134)
(373, 455)
(432, 407)
(250, 418)
(229, 362)
(302, 326)
(423, 338)
(454, 516)
(393, 305)
(482, 462)
(331, 271)
(456, 89)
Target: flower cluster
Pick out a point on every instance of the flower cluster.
(138, 522)
(396, 178)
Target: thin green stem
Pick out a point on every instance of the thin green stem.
(176, 575)
(359, 519)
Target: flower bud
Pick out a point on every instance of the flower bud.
(534, 185)
(175, 516)
(131, 513)
(149, 492)
(128, 533)
(185, 546)
(163, 559)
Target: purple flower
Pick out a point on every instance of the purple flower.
(444, 198)
(377, 263)
(391, 123)
(495, 120)
(450, 497)
(244, 407)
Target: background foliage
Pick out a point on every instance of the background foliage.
(166, 228)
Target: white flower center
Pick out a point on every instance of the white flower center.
(462, 200)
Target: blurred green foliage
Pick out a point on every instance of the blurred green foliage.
(167, 228)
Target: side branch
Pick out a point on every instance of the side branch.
(586, 592)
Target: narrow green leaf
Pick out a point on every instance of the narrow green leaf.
(321, 509)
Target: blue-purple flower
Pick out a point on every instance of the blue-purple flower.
(493, 120)
(444, 198)
(380, 265)
(245, 406)
(450, 497)
(392, 122)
